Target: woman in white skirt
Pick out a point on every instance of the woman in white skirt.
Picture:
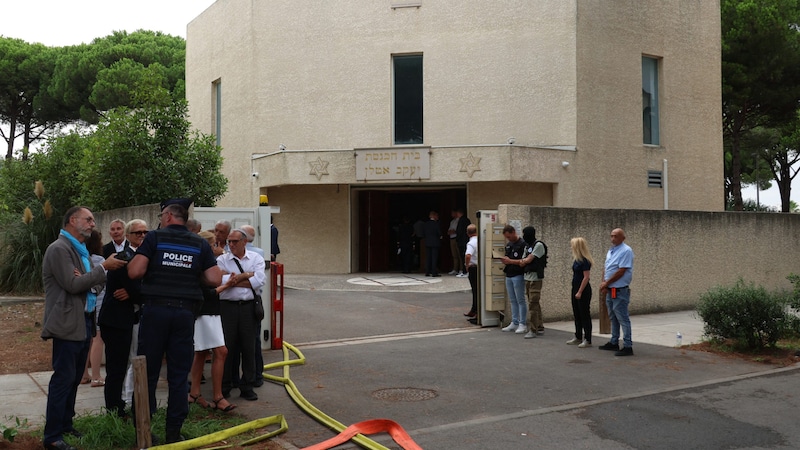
(208, 336)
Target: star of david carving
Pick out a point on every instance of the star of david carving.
(470, 164)
(318, 168)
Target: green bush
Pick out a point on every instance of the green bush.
(745, 313)
(24, 242)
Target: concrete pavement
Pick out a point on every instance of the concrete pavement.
(400, 349)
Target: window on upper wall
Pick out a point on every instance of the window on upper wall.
(650, 124)
(216, 110)
(407, 99)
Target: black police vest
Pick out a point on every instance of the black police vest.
(175, 270)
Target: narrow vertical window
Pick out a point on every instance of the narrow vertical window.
(216, 101)
(407, 99)
(650, 100)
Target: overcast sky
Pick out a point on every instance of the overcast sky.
(71, 22)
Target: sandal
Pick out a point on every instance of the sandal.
(98, 383)
(86, 380)
(226, 409)
(201, 402)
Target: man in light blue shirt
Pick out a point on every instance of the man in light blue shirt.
(617, 275)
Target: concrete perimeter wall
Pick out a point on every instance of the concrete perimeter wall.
(679, 255)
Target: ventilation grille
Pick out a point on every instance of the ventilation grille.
(654, 178)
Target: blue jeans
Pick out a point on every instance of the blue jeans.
(618, 313)
(515, 286)
(69, 360)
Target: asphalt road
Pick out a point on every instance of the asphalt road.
(412, 358)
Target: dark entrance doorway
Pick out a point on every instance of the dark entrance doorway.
(381, 211)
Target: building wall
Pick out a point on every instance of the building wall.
(563, 78)
(313, 227)
(679, 255)
(611, 159)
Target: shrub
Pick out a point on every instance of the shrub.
(747, 314)
(23, 245)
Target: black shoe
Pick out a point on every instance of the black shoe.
(258, 383)
(59, 445)
(626, 351)
(173, 436)
(75, 433)
(473, 320)
(609, 346)
(249, 396)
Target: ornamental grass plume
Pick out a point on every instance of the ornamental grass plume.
(27, 216)
(38, 189)
(48, 210)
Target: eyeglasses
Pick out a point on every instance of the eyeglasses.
(233, 241)
(139, 233)
(161, 214)
(88, 219)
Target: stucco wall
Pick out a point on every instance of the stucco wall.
(148, 213)
(611, 160)
(313, 226)
(678, 254)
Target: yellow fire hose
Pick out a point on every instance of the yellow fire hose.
(345, 433)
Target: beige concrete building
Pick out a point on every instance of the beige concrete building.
(354, 113)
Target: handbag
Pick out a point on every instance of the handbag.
(258, 304)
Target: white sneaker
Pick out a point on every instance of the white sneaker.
(573, 341)
(530, 335)
(462, 275)
(452, 272)
(584, 344)
(522, 329)
(511, 327)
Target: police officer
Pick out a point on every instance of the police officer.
(172, 263)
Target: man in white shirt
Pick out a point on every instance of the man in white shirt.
(243, 272)
(471, 264)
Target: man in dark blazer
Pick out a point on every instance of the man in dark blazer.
(118, 242)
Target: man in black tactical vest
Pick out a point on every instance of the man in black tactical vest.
(172, 263)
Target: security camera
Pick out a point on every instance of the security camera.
(281, 147)
(254, 174)
(511, 141)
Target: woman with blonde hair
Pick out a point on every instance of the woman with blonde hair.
(581, 292)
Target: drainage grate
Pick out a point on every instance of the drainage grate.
(405, 394)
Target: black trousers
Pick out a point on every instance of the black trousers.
(472, 275)
(118, 345)
(581, 313)
(239, 327)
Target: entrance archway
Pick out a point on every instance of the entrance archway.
(380, 212)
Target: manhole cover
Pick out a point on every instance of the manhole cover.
(405, 394)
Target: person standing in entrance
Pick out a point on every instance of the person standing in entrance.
(458, 262)
(617, 275)
(515, 282)
(173, 263)
(581, 294)
(433, 240)
(471, 265)
(69, 276)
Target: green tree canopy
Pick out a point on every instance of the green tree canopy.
(147, 154)
(760, 76)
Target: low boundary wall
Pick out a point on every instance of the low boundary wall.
(678, 254)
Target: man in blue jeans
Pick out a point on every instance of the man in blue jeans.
(617, 275)
(515, 281)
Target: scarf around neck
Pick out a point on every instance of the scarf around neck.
(80, 247)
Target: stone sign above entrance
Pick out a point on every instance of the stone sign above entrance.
(393, 164)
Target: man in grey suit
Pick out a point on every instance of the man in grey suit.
(71, 283)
